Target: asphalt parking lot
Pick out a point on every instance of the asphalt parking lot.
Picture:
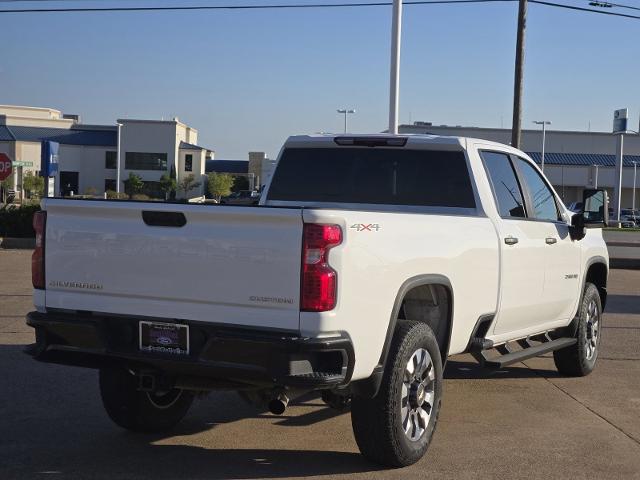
(522, 422)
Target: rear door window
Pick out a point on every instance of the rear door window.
(373, 176)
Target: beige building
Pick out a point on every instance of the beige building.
(88, 154)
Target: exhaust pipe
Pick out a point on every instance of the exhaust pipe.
(278, 405)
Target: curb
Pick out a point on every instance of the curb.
(623, 244)
(624, 263)
(17, 243)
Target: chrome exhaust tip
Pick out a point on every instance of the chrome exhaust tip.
(278, 405)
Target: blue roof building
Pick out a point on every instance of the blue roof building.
(574, 160)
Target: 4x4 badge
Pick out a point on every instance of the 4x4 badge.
(365, 227)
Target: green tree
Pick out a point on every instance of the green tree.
(168, 185)
(33, 184)
(187, 184)
(133, 184)
(219, 184)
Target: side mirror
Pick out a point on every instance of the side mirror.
(595, 210)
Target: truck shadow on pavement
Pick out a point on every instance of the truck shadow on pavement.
(460, 368)
(55, 424)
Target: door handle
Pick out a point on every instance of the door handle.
(551, 240)
(510, 240)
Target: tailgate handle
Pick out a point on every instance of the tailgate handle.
(164, 219)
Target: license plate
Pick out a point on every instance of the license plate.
(164, 338)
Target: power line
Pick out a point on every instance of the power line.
(235, 7)
(584, 9)
(298, 6)
(606, 4)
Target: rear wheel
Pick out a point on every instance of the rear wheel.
(141, 411)
(396, 426)
(579, 359)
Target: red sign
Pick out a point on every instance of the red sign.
(5, 166)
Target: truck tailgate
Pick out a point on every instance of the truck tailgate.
(226, 265)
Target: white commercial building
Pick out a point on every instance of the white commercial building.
(573, 160)
(87, 155)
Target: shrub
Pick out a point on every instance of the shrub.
(113, 195)
(17, 221)
(141, 196)
(33, 184)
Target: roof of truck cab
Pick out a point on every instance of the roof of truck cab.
(413, 138)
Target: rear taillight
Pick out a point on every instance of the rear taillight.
(37, 259)
(319, 280)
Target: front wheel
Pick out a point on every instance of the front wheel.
(396, 426)
(580, 358)
(141, 411)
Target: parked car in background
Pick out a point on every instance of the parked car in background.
(243, 197)
(630, 218)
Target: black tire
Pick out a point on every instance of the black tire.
(141, 411)
(379, 422)
(579, 359)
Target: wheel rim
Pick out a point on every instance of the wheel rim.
(418, 394)
(164, 400)
(592, 330)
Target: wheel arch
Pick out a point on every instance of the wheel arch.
(597, 272)
(370, 386)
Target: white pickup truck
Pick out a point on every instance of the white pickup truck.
(368, 262)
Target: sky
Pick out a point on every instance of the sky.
(246, 80)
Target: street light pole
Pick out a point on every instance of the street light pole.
(118, 160)
(633, 202)
(394, 83)
(595, 183)
(544, 124)
(345, 112)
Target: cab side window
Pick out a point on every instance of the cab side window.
(504, 184)
(543, 201)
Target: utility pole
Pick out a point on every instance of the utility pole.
(394, 83)
(519, 76)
